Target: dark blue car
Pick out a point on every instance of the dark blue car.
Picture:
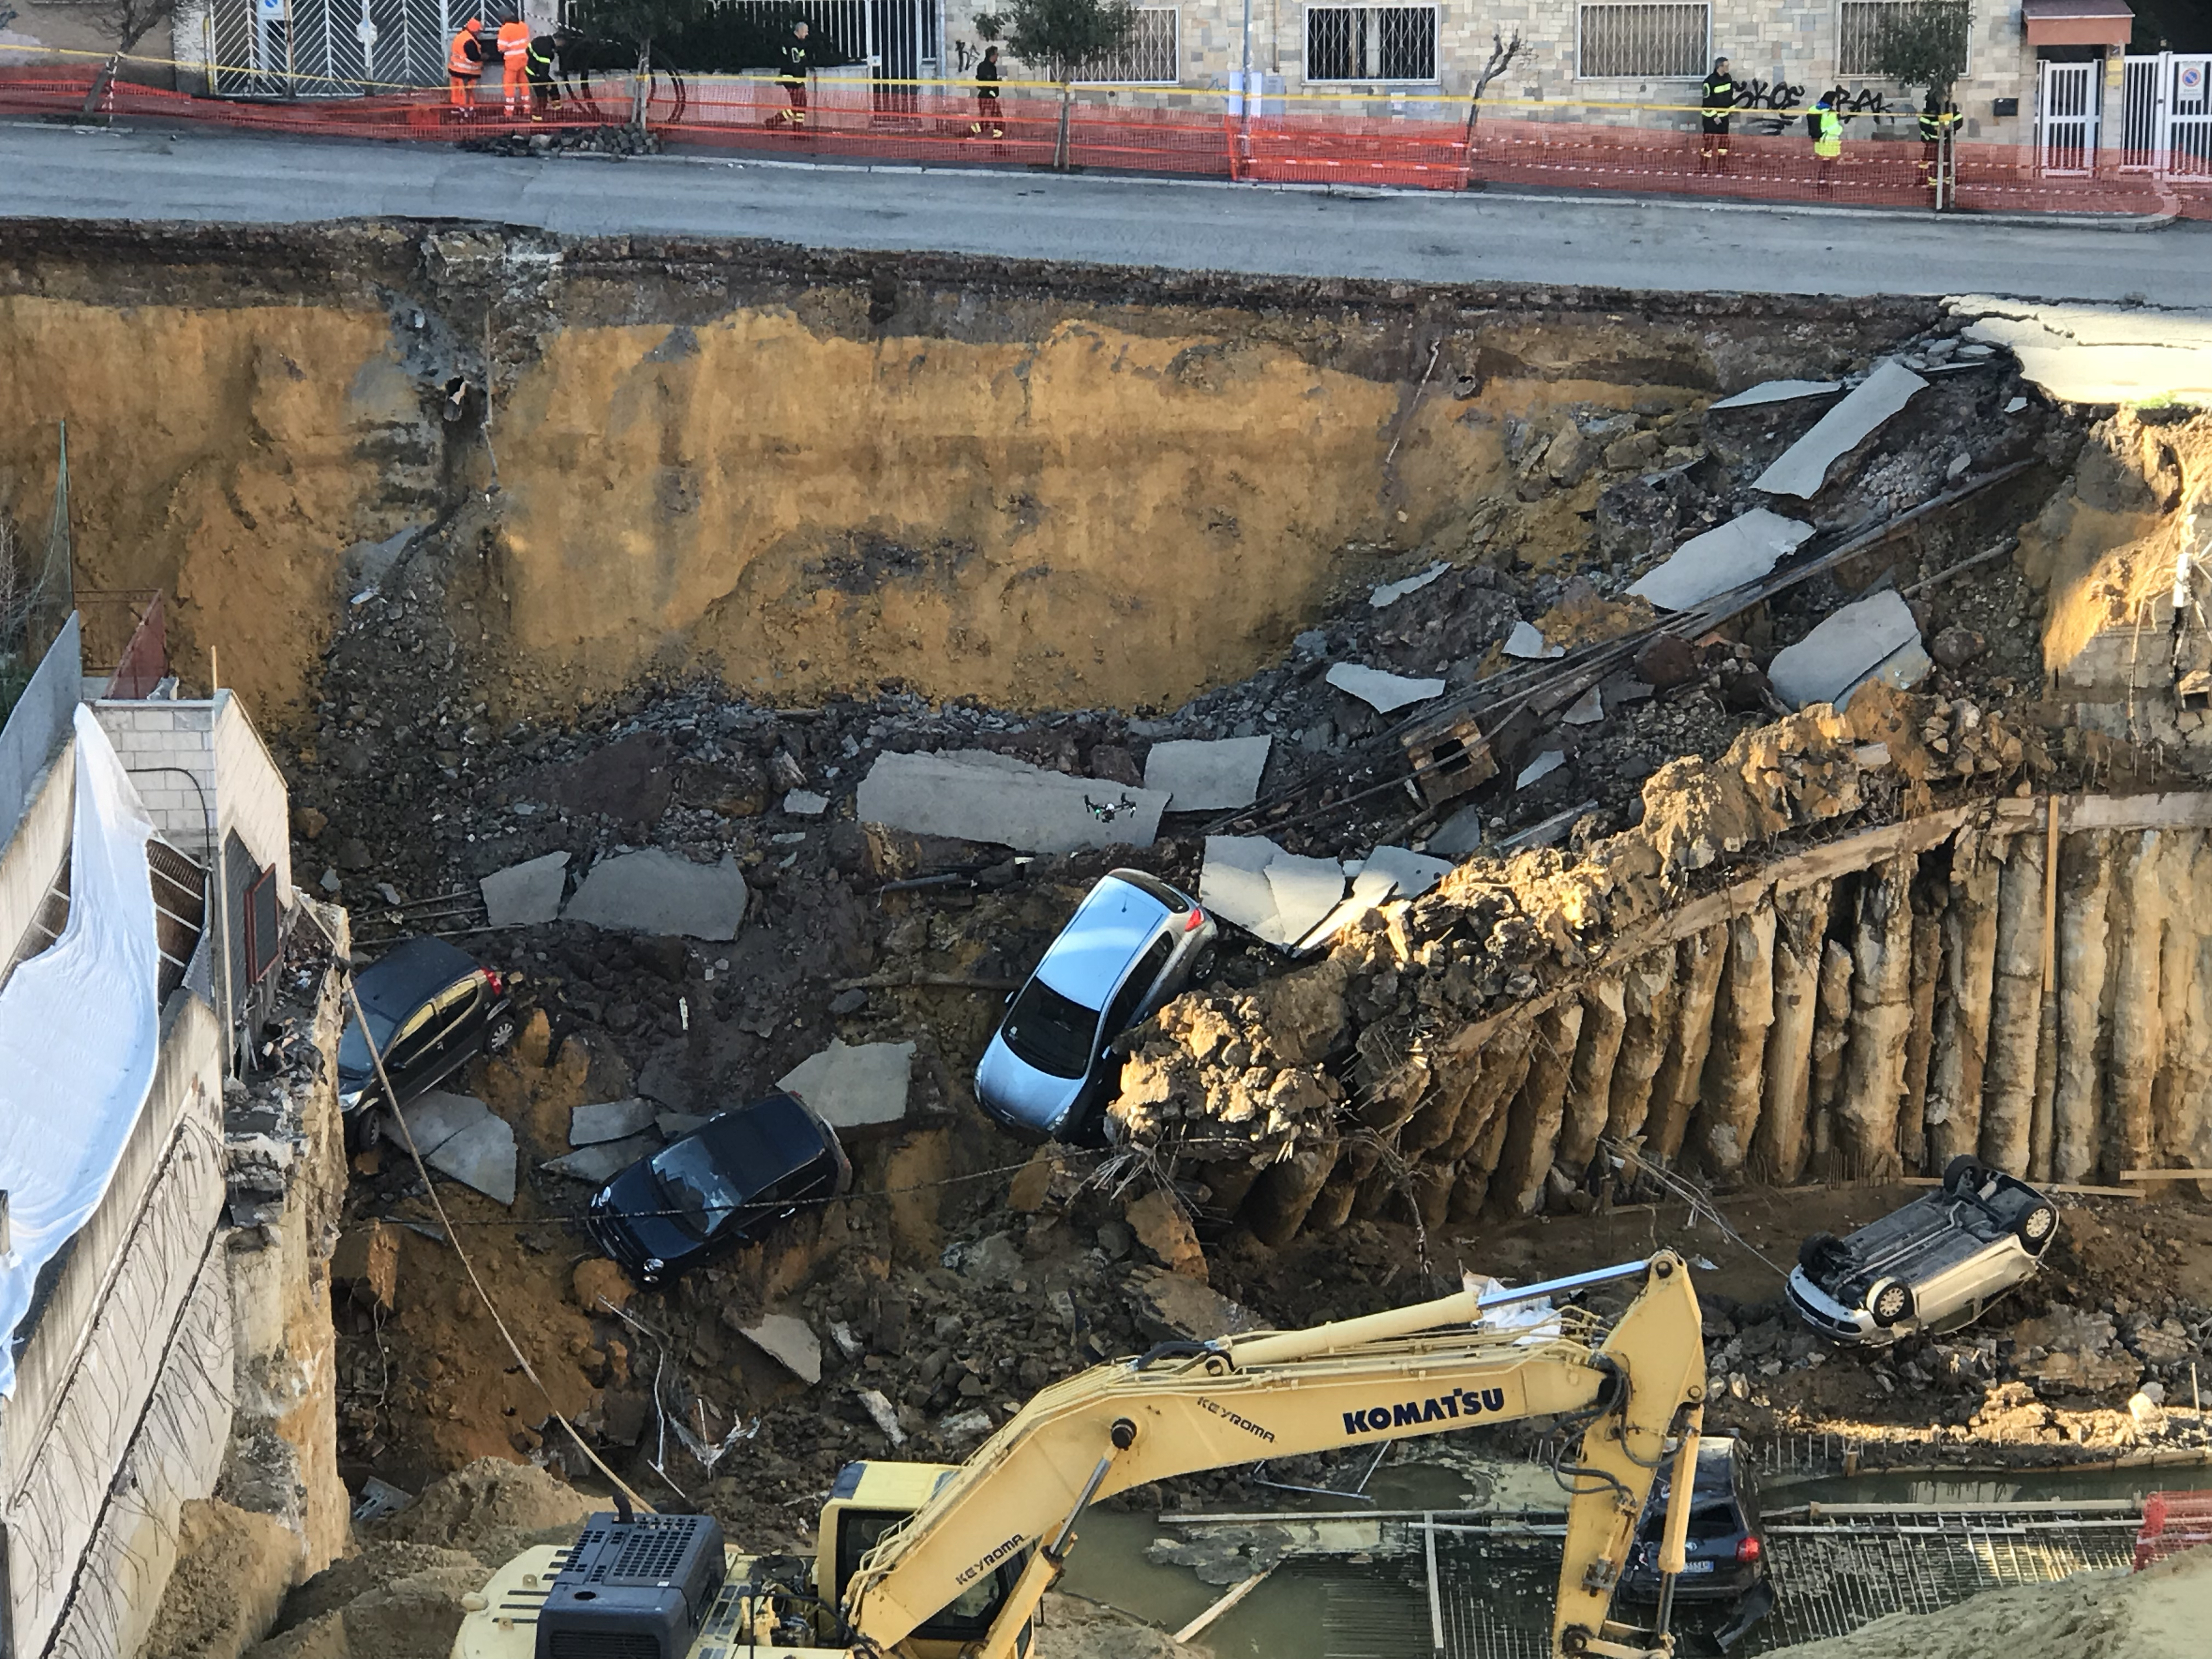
(1726, 1558)
(699, 1197)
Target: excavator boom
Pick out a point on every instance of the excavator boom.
(1408, 1372)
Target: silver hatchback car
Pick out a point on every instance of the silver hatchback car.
(1132, 943)
(1933, 1265)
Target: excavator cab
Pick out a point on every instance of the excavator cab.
(867, 1501)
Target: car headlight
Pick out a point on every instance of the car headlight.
(654, 1264)
(349, 1099)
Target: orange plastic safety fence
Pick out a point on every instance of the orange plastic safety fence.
(854, 121)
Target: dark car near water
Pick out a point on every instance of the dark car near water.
(699, 1197)
(1726, 1558)
(431, 1009)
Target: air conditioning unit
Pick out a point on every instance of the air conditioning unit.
(636, 1587)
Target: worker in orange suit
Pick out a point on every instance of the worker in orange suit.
(464, 64)
(514, 61)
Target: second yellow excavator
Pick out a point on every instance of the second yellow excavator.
(933, 1561)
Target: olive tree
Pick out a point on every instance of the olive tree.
(1061, 38)
(1923, 42)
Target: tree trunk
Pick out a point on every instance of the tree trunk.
(1060, 145)
(640, 90)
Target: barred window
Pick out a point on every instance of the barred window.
(1370, 43)
(1666, 42)
(1149, 57)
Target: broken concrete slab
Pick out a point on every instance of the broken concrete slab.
(1844, 650)
(660, 893)
(610, 1119)
(1382, 692)
(790, 1341)
(1741, 550)
(1459, 835)
(1527, 640)
(1903, 668)
(1411, 873)
(604, 1160)
(1276, 896)
(1391, 592)
(855, 1087)
(483, 1157)
(805, 804)
(525, 895)
(1203, 776)
(1541, 768)
(1778, 392)
(1588, 709)
(1803, 467)
(976, 795)
(673, 1126)
(434, 1118)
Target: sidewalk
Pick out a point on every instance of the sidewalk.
(853, 122)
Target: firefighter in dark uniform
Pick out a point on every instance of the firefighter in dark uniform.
(1716, 98)
(542, 65)
(1938, 116)
(988, 124)
(796, 59)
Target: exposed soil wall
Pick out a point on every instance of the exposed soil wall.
(1036, 485)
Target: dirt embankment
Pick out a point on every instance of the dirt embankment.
(804, 474)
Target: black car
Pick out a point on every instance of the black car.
(697, 1199)
(431, 1009)
(1727, 1557)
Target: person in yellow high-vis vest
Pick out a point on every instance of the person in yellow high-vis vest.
(1827, 128)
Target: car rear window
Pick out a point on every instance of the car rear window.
(697, 1188)
(1050, 1032)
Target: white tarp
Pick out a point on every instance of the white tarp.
(79, 1032)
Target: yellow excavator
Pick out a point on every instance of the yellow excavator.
(935, 1561)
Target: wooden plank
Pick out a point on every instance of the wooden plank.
(1221, 1607)
(2166, 1175)
(2040, 1186)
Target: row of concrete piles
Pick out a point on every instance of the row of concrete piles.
(1879, 1005)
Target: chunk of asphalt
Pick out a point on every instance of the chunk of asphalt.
(434, 1117)
(483, 1157)
(1459, 835)
(1741, 550)
(855, 1086)
(1541, 768)
(790, 1341)
(660, 894)
(805, 804)
(1844, 649)
(1278, 897)
(603, 1162)
(1803, 467)
(976, 795)
(525, 895)
(1776, 392)
(1588, 709)
(1413, 873)
(675, 1124)
(1382, 692)
(1391, 592)
(1207, 775)
(1526, 641)
(610, 1119)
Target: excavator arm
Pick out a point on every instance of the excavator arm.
(1393, 1376)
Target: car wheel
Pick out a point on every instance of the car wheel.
(2037, 1228)
(1962, 1172)
(364, 1130)
(499, 1034)
(1890, 1303)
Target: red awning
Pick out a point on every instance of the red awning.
(2077, 22)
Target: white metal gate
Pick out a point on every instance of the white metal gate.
(2066, 117)
(343, 48)
(2169, 113)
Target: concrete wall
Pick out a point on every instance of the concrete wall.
(39, 723)
(101, 1340)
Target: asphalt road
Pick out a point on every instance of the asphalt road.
(147, 174)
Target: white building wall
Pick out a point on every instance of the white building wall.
(105, 1335)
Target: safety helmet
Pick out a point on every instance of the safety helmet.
(474, 25)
